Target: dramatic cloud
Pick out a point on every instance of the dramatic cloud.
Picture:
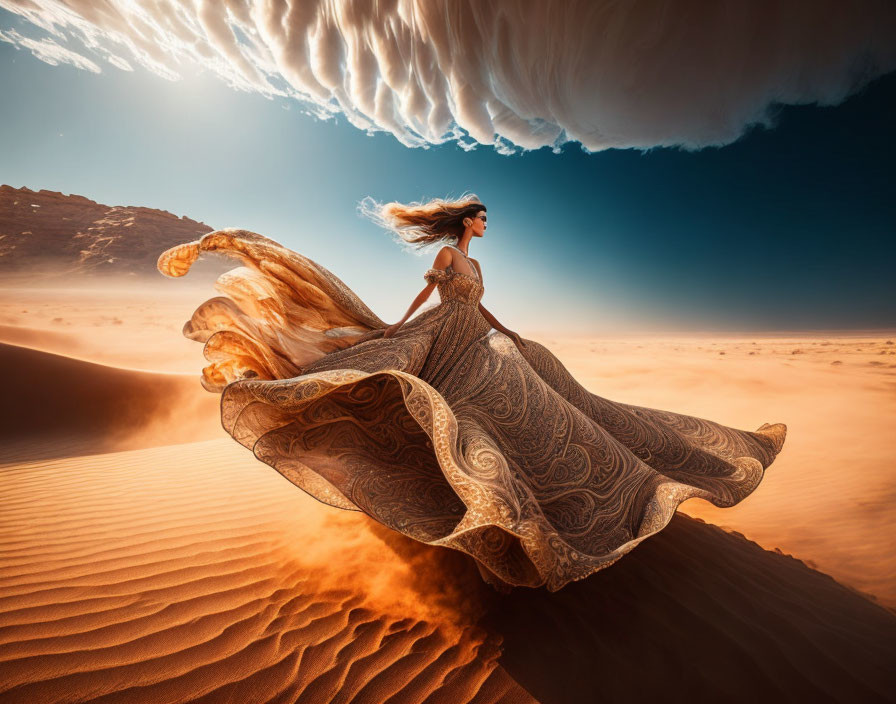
(49, 51)
(513, 74)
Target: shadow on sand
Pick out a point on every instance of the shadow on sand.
(695, 613)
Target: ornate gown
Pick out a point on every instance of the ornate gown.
(446, 431)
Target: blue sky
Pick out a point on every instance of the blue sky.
(789, 228)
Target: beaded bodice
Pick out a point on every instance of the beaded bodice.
(455, 285)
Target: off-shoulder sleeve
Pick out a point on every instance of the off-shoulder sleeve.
(435, 276)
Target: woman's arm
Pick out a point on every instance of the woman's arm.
(442, 260)
(418, 301)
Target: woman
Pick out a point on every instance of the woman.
(439, 427)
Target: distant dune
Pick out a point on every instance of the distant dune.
(54, 406)
(134, 324)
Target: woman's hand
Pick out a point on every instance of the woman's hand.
(516, 338)
(392, 329)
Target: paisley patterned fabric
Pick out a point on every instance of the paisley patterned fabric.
(446, 431)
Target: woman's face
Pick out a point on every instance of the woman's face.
(479, 224)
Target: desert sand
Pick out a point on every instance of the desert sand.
(829, 496)
(145, 556)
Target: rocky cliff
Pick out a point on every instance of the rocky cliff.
(47, 233)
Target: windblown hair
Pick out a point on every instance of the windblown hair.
(421, 225)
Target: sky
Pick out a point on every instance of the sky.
(781, 222)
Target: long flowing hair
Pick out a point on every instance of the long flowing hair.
(422, 226)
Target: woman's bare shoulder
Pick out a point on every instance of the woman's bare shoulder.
(443, 258)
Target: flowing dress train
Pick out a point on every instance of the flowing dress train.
(446, 431)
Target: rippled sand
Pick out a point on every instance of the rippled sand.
(132, 569)
(182, 573)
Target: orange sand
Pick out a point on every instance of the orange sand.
(192, 571)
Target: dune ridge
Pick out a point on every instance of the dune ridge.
(58, 406)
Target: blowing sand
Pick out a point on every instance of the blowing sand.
(145, 556)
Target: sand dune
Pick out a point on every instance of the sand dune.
(192, 573)
(133, 568)
(56, 406)
(126, 323)
(135, 324)
(699, 614)
(195, 573)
